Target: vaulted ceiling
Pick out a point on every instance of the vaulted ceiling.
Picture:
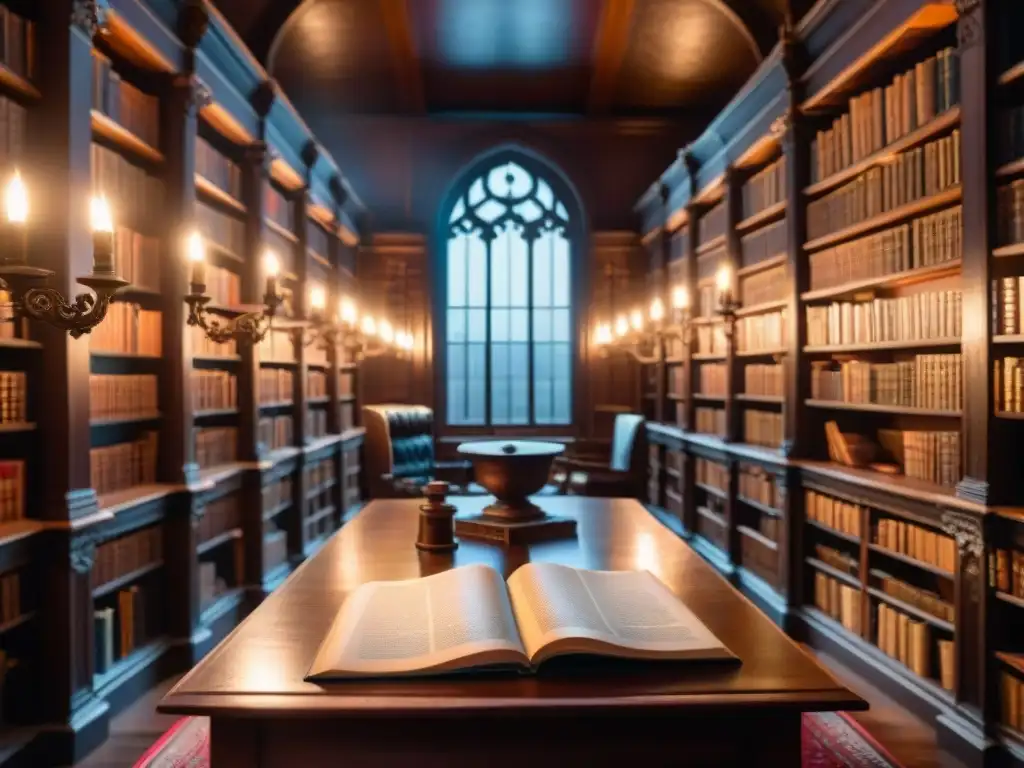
(589, 57)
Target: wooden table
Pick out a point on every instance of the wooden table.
(263, 714)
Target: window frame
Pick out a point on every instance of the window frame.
(575, 234)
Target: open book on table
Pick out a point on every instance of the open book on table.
(469, 618)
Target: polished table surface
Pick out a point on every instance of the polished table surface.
(257, 672)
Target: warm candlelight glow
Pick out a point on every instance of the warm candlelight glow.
(723, 279)
(621, 325)
(16, 200)
(636, 320)
(195, 248)
(657, 311)
(603, 334)
(404, 340)
(317, 298)
(348, 312)
(680, 297)
(386, 332)
(101, 218)
(271, 265)
(369, 326)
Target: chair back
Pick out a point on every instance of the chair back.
(399, 442)
(628, 443)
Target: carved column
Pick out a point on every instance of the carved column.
(970, 645)
(733, 366)
(181, 565)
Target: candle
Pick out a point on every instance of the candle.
(369, 326)
(723, 280)
(348, 312)
(102, 235)
(15, 232)
(680, 297)
(621, 325)
(386, 332)
(636, 319)
(271, 266)
(197, 256)
(317, 300)
(603, 335)
(657, 311)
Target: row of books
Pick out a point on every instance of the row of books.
(203, 346)
(124, 465)
(276, 385)
(216, 446)
(711, 421)
(916, 542)
(927, 241)
(12, 490)
(317, 239)
(221, 575)
(18, 49)
(1012, 697)
(707, 300)
(762, 287)
(711, 339)
(910, 642)
(764, 380)
(913, 175)
(220, 516)
(916, 317)
(881, 116)
(837, 514)
(320, 476)
(137, 259)
(135, 197)
(769, 527)
(712, 474)
(277, 493)
(676, 379)
(278, 208)
(275, 432)
(764, 243)
(128, 329)
(1006, 571)
(122, 102)
(13, 120)
(214, 390)
(934, 382)
(316, 422)
(840, 601)
(765, 188)
(352, 481)
(1010, 133)
(283, 248)
(922, 599)
(932, 456)
(757, 557)
(221, 171)
(348, 416)
(222, 229)
(275, 547)
(764, 428)
(714, 379)
(120, 630)
(112, 397)
(319, 520)
(13, 397)
(841, 561)
(757, 485)
(316, 384)
(713, 224)
(223, 286)
(127, 554)
(761, 333)
(10, 597)
(277, 346)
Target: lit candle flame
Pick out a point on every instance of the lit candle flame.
(723, 278)
(271, 265)
(680, 297)
(621, 325)
(317, 297)
(636, 320)
(196, 248)
(369, 326)
(349, 313)
(16, 199)
(657, 311)
(386, 332)
(100, 215)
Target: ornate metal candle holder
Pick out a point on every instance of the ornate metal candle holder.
(223, 324)
(32, 299)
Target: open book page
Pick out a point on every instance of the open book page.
(631, 614)
(453, 620)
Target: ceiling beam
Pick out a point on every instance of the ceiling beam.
(609, 52)
(403, 48)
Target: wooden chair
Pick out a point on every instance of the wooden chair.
(623, 475)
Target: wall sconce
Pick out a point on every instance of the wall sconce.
(360, 338)
(222, 324)
(727, 303)
(630, 333)
(29, 297)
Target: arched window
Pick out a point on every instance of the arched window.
(508, 328)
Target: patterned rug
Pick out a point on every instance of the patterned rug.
(830, 740)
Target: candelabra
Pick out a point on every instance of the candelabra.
(728, 305)
(360, 339)
(25, 284)
(221, 324)
(646, 344)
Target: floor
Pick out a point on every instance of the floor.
(909, 739)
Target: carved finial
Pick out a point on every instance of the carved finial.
(89, 16)
(263, 97)
(193, 21)
(198, 95)
(310, 154)
(83, 553)
(338, 191)
(664, 191)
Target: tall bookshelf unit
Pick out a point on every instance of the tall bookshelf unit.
(869, 174)
(169, 499)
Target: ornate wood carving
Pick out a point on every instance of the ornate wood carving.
(89, 16)
(83, 553)
(969, 27)
(966, 531)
